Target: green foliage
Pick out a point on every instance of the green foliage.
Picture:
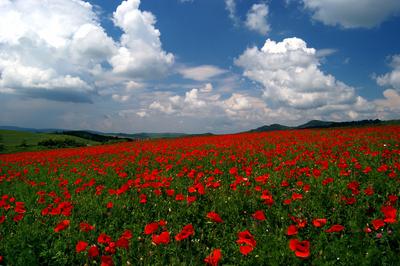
(60, 143)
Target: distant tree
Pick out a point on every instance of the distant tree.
(60, 143)
(23, 144)
(2, 147)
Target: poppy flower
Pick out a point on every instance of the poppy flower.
(162, 238)
(335, 228)
(150, 228)
(319, 222)
(111, 248)
(103, 239)
(247, 238)
(109, 205)
(81, 246)
(93, 251)
(107, 261)
(246, 249)
(214, 257)
(292, 230)
(378, 223)
(62, 226)
(127, 234)
(85, 227)
(143, 198)
(187, 231)
(301, 248)
(214, 217)
(390, 214)
(122, 243)
(18, 217)
(259, 215)
(297, 196)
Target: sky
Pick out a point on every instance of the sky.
(197, 66)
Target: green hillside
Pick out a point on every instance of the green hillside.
(16, 141)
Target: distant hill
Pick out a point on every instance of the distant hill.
(272, 127)
(33, 130)
(324, 124)
(316, 124)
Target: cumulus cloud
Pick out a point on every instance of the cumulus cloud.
(392, 78)
(256, 19)
(201, 73)
(59, 47)
(352, 14)
(203, 103)
(290, 74)
(140, 53)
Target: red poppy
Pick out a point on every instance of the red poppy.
(390, 214)
(62, 226)
(106, 261)
(246, 249)
(214, 257)
(214, 217)
(247, 238)
(292, 230)
(297, 196)
(150, 228)
(122, 243)
(109, 205)
(103, 239)
(319, 222)
(111, 248)
(378, 223)
(369, 191)
(335, 228)
(127, 234)
(93, 251)
(301, 248)
(327, 181)
(187, 231)
(85, 227)
(259, 215)
(162, 238)
(18, 217)
(81, 246)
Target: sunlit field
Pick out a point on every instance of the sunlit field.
(314, 197)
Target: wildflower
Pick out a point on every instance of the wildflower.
(301, 248)
(214, 257)
(214, 217)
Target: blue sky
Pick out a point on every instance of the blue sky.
(197, 66)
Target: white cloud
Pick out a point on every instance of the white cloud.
(207, 88)
(60, 47)
(256, 19)
(140, 53)
(352, 14)
(392, 78)
(201, 73)
(230, 6)
(289, 72)
(120, 98)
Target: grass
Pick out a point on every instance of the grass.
(18, 141)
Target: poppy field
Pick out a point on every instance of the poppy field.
(313, 197)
